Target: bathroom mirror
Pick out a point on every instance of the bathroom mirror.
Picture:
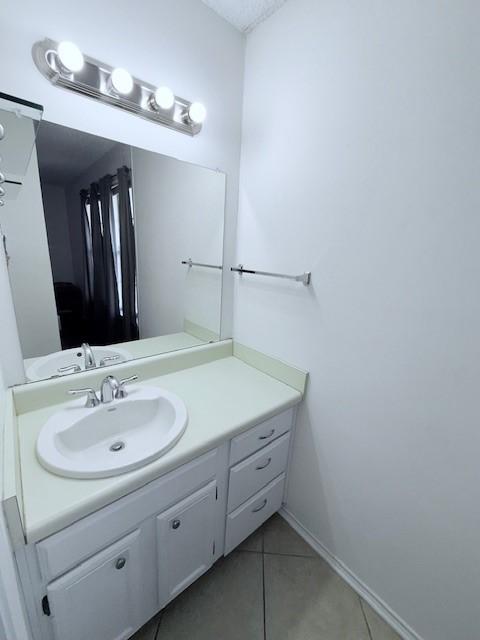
(113, 253)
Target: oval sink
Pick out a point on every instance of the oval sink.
(112, 438)
(48, 366)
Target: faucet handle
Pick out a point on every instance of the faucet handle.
(121, 391)
(104, 361)
(71, 368)
(92, 398)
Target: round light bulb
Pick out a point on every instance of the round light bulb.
(70, 56)
(122, 81)
(164, 98)
(197, 112)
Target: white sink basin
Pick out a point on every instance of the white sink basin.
(48, 366)
(112, 438)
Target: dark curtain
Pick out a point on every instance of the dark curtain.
(111, 310)
(128, 256)
(107, 323)
(87, 253)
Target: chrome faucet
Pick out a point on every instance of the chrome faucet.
(89, 357)
(109, 389)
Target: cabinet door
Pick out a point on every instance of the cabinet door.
(100, 599)
(185, 542)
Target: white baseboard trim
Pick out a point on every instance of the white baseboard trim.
(383, 610)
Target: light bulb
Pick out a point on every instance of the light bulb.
(70, 56)
(197, 112)
(122, 81)
(163, 98)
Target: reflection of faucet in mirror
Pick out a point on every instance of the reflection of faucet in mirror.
(88, 355)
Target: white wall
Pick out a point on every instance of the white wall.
(361, 162)
(182, 44)
(179, 214)
(30, 269)
(11, 360)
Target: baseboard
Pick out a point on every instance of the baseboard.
(383, 610)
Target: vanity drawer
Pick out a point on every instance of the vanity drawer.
(67, 548)
(254, 439)
(251, 514)
(249, 476)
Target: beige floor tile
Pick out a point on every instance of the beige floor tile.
(226, 603)
(305, 600)
(279, 537)
(253, 542)
(379, 629)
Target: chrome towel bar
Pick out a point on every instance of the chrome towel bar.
(306, 277)
(190, 263)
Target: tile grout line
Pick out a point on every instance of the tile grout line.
(292, 555)
(365, 618)
(156, 636)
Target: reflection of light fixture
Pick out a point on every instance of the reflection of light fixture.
(70, 57)
(163, 98)
(122, 81)
(196, 113)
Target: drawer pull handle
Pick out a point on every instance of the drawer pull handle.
(257, 509)
(175, 524)
(264, 466)
(267, 436)
(120, 563)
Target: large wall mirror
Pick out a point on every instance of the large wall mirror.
(114, 253)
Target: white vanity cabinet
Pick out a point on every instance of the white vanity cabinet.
(104, 576)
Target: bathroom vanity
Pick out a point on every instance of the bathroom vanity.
(98, 557)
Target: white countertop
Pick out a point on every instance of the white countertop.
(223, 397)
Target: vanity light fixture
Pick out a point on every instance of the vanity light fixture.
(64, 65)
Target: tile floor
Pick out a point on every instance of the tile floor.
(273, 587)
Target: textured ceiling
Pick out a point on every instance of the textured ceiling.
(244, 14)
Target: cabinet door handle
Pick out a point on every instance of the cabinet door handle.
(257, 509)
(175, 524)
(269, 435)
(120, 563)
(264, 466)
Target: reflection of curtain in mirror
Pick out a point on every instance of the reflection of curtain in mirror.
(128, 255)
(109, 260)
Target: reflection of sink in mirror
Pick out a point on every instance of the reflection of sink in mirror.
(112, 438)
(50, 366)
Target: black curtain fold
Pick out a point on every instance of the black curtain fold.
(128, 255)
(110, 317)
(87, 250)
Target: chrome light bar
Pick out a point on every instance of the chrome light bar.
(96, 79)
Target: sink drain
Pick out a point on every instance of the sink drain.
(117, 446)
